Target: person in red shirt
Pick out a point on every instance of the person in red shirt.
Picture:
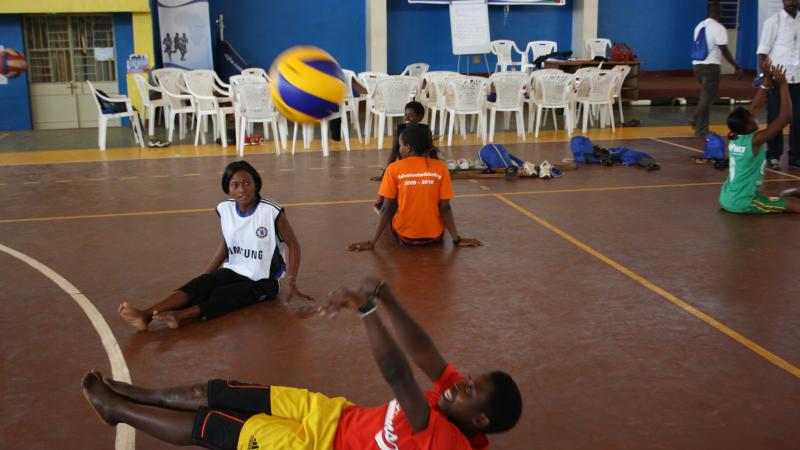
(227, 415)
(417, 192)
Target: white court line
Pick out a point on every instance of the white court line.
(125, 439)
(696, 150)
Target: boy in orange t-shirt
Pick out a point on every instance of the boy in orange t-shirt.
(417, 192)
(227, 415)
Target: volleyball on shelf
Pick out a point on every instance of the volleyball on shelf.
(306, 84)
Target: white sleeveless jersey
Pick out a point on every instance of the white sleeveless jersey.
(253, 240)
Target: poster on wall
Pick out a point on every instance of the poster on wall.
(185, 38)
(498, 2)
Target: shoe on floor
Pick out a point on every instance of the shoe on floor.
(545, 170)
(530, 169)
(774, 164)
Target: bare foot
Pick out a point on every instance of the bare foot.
(168, 317)
(99, 396)
(133, 316)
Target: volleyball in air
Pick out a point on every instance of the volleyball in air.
(306, 84)
(12, 63)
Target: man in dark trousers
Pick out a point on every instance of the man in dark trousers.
(707, 71)
(779, 43)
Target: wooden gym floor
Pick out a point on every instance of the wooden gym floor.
(633, 313)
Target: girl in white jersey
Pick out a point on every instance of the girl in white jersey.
(255, 237)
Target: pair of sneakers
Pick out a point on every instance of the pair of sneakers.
(545, 170)
(157, 143)
(775, 164)
(253, 140)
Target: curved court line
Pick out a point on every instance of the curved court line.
(125, 438)
(697, 150)
(731, 333)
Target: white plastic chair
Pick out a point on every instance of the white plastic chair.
(255, 71)
(556, 93)
(581, 86)
(466, 96)
(104, 117)
(389, 100)
(369, 80)
(602, 86)
(415, 70)
(351, 102)
(535, 94)
(509, 88)
(536, 49)
(253, 104)
(502, 50)
(149, 106)
(597, 47)
(170, 81)
(623, 74)
(206, 103)
(432, 98)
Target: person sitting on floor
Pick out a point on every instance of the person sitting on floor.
(747, 155)
(228, 415)
(417, 192)
(255, 234)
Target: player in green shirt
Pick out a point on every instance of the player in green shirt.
(747, 155)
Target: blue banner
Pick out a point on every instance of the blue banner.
(499, 2)
(227, 61)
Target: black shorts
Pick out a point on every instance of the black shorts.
(224, 290)
(230, 404)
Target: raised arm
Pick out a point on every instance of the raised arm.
(390, 358)
(293, 265)
(760, 99)
(784, 116)
(413, 338)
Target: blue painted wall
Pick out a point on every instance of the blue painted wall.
(123, 43)
(260, 30)
(747, 39)
(14, 95)
(421, 33)
(661, 33)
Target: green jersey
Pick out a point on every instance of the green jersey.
(745, 174)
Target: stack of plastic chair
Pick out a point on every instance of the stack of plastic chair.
(623, 73)
(432, 98)
(602, 87)
(149, 106)
(204, 87)
(177, 102)
(253, 104)
(509, 88)
(466, 96)
(389, 100)
(556, 93)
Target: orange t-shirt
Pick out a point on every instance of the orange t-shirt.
(386, 427)
(418, 183)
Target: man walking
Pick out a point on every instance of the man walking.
(707, 71)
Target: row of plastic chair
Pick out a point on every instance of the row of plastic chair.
(503, 49)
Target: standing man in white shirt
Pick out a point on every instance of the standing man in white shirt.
(780, 42)
(707, 71)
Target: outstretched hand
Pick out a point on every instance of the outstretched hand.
(339, 299)
(778, 74)
(467, 242)
(305, 309)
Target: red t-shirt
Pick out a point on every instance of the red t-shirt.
(386, 427)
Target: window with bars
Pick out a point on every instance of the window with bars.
(61, 48)
(729, 14)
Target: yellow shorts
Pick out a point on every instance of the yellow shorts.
(300, 420)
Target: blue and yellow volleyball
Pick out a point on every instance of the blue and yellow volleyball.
(306, 84)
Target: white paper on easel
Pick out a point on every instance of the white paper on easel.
(469, 27)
